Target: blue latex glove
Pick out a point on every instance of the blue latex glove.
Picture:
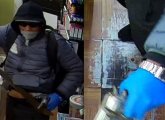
(54, 101)
(145, 92)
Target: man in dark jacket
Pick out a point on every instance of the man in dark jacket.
(28, 64)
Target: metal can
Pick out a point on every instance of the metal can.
(112, 107)
(76, 106)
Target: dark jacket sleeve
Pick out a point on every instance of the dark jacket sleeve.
(143, 16)
(155, 43)
(7, 37)
(3, 34)
(69, 61)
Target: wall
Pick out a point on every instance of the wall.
(6, 11)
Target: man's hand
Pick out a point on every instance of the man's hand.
(54, 101)
(145, 92)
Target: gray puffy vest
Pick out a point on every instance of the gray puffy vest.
(29, 66)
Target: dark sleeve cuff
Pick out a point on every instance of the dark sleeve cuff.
(61, 94)
(156, 57)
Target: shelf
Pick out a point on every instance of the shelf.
(76, 39)
(73, 18)
(73, 23)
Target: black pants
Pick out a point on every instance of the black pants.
(19, 109)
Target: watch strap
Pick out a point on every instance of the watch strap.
(157, 70)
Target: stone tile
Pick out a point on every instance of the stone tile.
(114, 17)
(119, 58)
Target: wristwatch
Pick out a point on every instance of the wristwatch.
(157, 70)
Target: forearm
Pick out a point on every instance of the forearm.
(73, 68)
(155, 43)
(72, 80)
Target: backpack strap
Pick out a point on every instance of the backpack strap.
(52, 48)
